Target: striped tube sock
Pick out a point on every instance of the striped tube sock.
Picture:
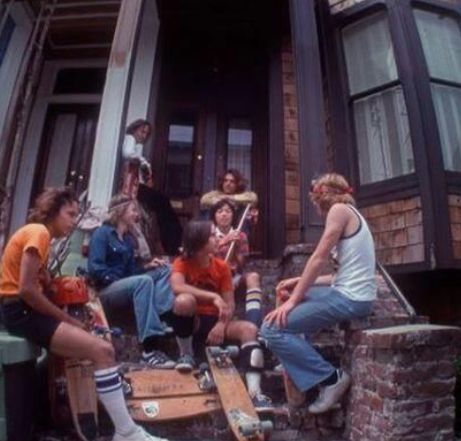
(253, 312)
(109, 388)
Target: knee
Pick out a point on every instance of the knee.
(249, 332)
(253, 280)
(145, 281)
(103, 353)
(185, 305)
(267, 332)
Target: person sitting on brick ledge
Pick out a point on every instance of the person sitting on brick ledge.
(27, 311)
(349, 293)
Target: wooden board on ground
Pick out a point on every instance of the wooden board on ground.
(164, 395)
(237, 405)
(150, 410)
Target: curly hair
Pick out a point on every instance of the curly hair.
(135, 125)
(329, 189)
(239, 180)
(195, 237)
(48, 204)
(222, 203)
(117, 208)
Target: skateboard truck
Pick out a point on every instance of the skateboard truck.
(205, 380)
(222, 355)
(250, 427)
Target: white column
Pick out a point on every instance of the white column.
(141, 84)
(106, 148)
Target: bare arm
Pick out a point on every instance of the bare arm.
(31, 293)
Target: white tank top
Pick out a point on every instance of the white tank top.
(355, 277)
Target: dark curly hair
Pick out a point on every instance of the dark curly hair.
(135, 125)
(49, 203)
(239, 180)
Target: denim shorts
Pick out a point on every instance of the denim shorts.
(23, 321)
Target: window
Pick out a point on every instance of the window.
(179, 173)
(239, 142)
(378, 103)
(5, 37)
(441, 40)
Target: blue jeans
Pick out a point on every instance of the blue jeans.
(322, 307)
(150, 294)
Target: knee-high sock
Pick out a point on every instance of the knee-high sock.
(183, 328)
(253, 312)
(109, 388)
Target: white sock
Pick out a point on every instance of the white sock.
(185, 345)
(109, 388)
(253, 380)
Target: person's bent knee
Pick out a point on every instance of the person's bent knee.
(253, 280)
(185, 305)
(103, 354)
(249, 331)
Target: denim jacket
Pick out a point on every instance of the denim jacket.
(110, 258)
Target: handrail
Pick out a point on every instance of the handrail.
(396, 290)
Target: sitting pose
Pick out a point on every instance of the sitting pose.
(309, 308)
(232, 186)
(223, 216)
(112, 267)
(203, 287)
(28, 313)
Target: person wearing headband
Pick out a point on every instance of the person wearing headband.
(314, 301)
(124, 284)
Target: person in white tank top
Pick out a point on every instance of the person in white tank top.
(314, 301)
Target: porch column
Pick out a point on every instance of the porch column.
(113, 106)
(311, 112)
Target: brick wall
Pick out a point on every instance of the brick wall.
(397, 229)
(291, 146)
(454, 207)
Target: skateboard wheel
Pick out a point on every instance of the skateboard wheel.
(233, 351)
(203, 367)
(267, 427)
(214, 351)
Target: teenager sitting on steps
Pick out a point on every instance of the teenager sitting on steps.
(309, 308)
(205, 298)
(28, 313)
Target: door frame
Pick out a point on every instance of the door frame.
(35, 127)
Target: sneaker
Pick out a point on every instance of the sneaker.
(330, 395)
(158, 360)
(139, 434)
(185, 363)
(261, 401)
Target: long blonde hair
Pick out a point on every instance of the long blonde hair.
(117, 208)
(329, 189)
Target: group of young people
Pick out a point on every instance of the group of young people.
(195, 295)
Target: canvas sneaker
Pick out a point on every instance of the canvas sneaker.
(330, 395)
(185, 363)
(158, 360)
(139, 434)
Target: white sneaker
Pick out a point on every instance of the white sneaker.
(137, 435)
(330, 395)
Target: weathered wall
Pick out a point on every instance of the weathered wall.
(397, 229)
(291, 147)
(454, 207)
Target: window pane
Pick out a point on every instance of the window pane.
(5, 37)
(239, 141)
(447, 103)
(180, 159)
(383, 136)
(441, 40)
(369, 53)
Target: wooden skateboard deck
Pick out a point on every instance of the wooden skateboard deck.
(236, 403)
(163, 395)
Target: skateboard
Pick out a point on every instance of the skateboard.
(163, 395)
(295, 398)
(236, 403)
(71, 380)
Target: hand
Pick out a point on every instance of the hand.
(155, 262)
(223, 308)
(253, 215)
(279, 315)
(287, 284)
(233, 236)
(216, 335)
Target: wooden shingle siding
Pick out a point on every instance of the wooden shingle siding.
(397, 229)
(291, 147)
(454, 207)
